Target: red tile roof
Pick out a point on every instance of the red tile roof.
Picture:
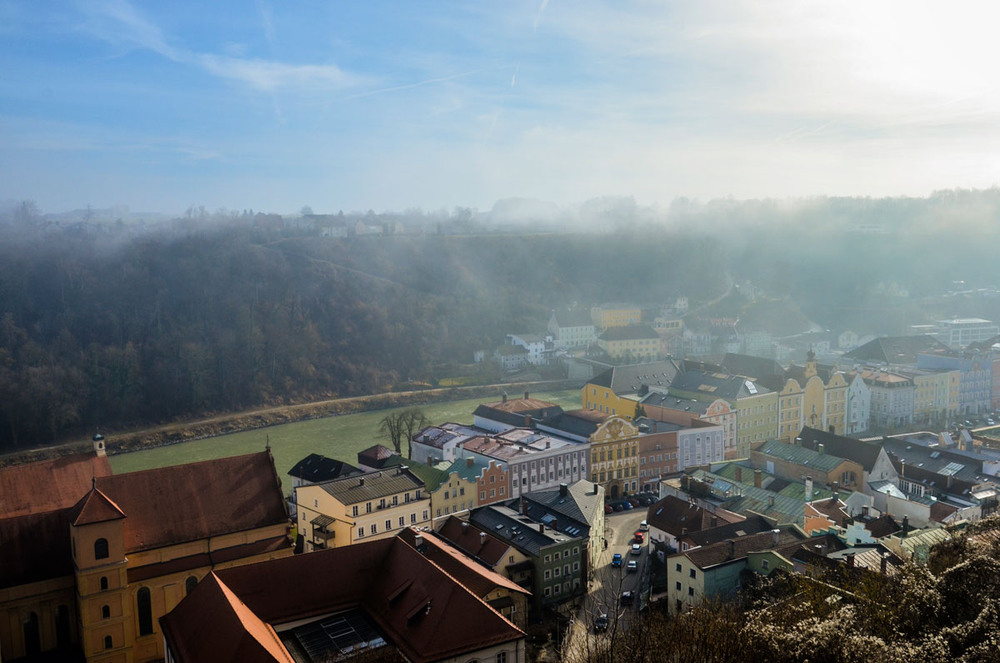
(170, 505)
(217, 626)
(95, 507)
(48, 485)
(420, 608)
(35, 547)
(468, 538)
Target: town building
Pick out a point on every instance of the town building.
(633, 343)
(606, 316)
(616, 390)
(373, 505)
(92, 577)
(381, 594)
(440, 444)
(571, 328)
(497, 417)
(664, 406)
(576, 510)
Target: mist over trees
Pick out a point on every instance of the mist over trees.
(104, 326)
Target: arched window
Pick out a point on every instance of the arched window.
(104, 583)
(108, 643)
(63, 629)
(145, 608)
(101, 549)
(105, 612)
(190, 584)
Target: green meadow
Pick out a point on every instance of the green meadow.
(339, 437)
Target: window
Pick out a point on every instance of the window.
(108, 643)
(764, 564)
(101, 549)
(446, 495)
(374, 528)
(388, 525)
(690, 591)
(510, 559)
(482, 494)
(144, 606)
(502, 490)
(548, 574)
(678, 586)
(361, 532)
(104, 583)
(425, 514)
(354, 510)
(502, 657)
(402, 521)
(692, 573)
(315, 503)
(368, 507)
(105, 612)
(413, 518)
(461, 492)
(493, 478)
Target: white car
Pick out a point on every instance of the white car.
(636, 549)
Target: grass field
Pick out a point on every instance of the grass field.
(336, 437)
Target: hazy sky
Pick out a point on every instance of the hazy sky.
(388, 105)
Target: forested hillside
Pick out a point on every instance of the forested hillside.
(122, 326)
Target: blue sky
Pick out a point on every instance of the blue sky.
(392, 105)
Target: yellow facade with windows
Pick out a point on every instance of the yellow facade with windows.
(614, 457)
(756, 421)
(603, 399)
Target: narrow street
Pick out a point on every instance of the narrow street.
(608, 585)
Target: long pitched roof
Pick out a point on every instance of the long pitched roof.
(797, 455)
(170, 505)
(863, 453)
(895, 349)
(580, 504)
(735, 549)
(628, 379)
(47, 485)
(716, 385)
(315, 468)
(418, 606)
(372, 485)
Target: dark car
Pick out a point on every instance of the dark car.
(616, 559)
(634, 501)
(627, 598)
(608, 509)
(600, 623)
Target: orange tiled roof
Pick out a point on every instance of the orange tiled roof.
(170, 505)
(48, 485)
(94, 507)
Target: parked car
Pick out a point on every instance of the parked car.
(636, 549)
(638, 537)
(626, 599)
(617, 506)
(632, 566)
(600, 623)
(616, 559)
(644, 526)
(626, 505)
(634, 501)
(608, 509)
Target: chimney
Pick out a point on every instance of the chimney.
(770, 500)
(595, 488)
(524, 507)
(836, 492)
(548, 444)
(883, 563)
(505, 397)
(739, 474)
(563, 490)
(775, 533)
(715, 521)
(525, 395)
(809, 489)
(418, 541)
(850, 560)
(758, 478)
(482, 538)
(527, 421)
(470, 461)
(906, 525)
(820, 448)
(732, 548)
(465, 527)
(541, 527)
(361, 482)
(864, 512)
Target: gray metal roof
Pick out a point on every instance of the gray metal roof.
(373, 485)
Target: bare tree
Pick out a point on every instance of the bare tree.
(403, 424)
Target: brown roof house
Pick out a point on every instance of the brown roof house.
(386, 594)
(95, 573)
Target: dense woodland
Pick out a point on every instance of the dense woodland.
(112, 326)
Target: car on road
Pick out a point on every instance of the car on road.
(616, 559)
(634, 501)
(632, 566)
(644, 526)
(608, 509)
(636, 549)
(638, 537)
(600, 623)
(626, 506)
(626, 599)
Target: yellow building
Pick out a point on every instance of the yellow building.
(129, 550)
(790, 407)
(935, 395)
(824, 404)
(374, 505)
(631, 343)
(756, 419)
(614, 457)
(607, 316)
(616, 390)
